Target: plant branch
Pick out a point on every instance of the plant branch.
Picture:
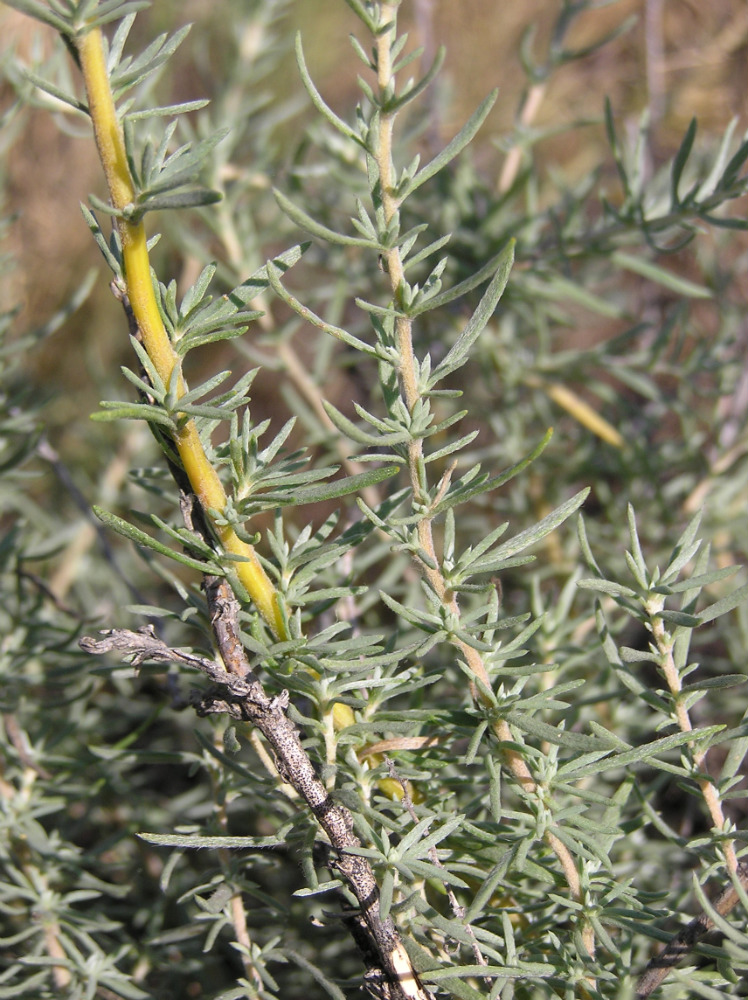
(664, 642)
(685, 941)
(411, 395)
(140, 291)
(241, 695)
(530, 107)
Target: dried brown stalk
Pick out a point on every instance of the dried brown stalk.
(684, 942)
(240, 694)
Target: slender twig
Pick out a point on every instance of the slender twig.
(658, 968)
(237, 908)
(430, 567)
(689, 937)
(49, 593)
(530, 106)
(423, 13)
(20, 741)
(51, 931)
(664, 642)
(60, 971)
(696, 499)
(91, 530)
(655, 57)
(457, 909)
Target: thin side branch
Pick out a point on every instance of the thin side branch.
(709, 791)
(457, 909)
(411, 395)
(689, 937)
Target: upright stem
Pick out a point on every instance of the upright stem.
(431, 567)
(709, 791)
(533, 100)
(236, 904)
(137, 274)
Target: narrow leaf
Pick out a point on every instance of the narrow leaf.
(113, 410)
(457, 356)
(273, 275)
(359, 9)
(457, 291)
(123, 527)
(539, 531)
(533, 726)
(710, 683)
(724, 605)
(317, 100)
(421, 85)
(540, 970)
(53, 91)
(734, 167)
(696, 582)
(357, 434)
(192, 840)
(168, 110)
(679, 162)
(456, 146)
(638, 754)
(41, 12)
(178, 199)
(653, 272)
(680, 618)
(343, 487)
(461, 493)
(606, 587)
(304, 221)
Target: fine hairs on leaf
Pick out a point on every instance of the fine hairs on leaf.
(310, 688)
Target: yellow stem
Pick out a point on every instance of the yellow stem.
(137, 273)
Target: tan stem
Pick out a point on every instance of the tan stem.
(511, 166)
(710, 794)
(430, 567)
(236, 903)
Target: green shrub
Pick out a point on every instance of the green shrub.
(455, 748)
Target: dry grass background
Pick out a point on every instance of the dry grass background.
(688, 58)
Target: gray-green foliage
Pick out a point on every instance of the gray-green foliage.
(576, 636)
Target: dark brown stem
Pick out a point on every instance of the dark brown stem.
(240, 694)
(689, 937)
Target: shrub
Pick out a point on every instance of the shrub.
(452, 747)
